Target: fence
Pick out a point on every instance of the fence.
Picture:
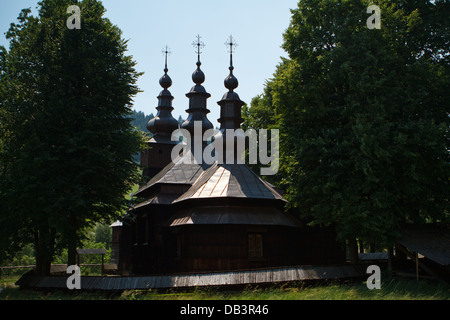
(54, 269)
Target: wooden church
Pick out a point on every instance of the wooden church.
(197, 217)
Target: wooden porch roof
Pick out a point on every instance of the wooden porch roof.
(431, 241)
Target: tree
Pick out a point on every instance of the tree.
(140, 120)
(363, 115)
(261, 115)
(66, 161)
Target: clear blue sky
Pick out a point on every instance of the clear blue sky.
(257, 26)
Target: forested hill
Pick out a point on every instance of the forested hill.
(140, 120)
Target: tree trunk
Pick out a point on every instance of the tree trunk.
(361, 246)
(391, 259)
(72, 254)
(38, 253)
(353, 250)
(72, 241)
(44, 244)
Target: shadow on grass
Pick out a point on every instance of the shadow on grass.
(394, 288)
(391, 289)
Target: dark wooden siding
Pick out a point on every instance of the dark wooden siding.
(226, 247)
(202, 248)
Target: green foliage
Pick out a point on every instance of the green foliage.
(102, 234)
(25, 257)
(140, 120)
(97, 237)
(261, 114)
(363, 115)
(93, 240)
(66, 135)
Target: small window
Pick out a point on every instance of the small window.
(255, 245)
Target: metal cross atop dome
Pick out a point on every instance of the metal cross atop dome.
(199, 46)
(231, 43)
(166, 52)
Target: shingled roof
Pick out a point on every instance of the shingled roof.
(158, 199)
(432, 241)
(230, 180)
(176, 172)
(213, 215)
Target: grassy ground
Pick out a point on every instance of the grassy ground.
(392, 289)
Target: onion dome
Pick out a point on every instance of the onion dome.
(198, 96)
(230, 105)
(164, 124)
(230, 116)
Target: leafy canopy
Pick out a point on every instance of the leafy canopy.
(66, 138)
(363, 115)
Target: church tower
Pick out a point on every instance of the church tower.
(231, 104)
(197, 112)
(162, 126)
(230, 116)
